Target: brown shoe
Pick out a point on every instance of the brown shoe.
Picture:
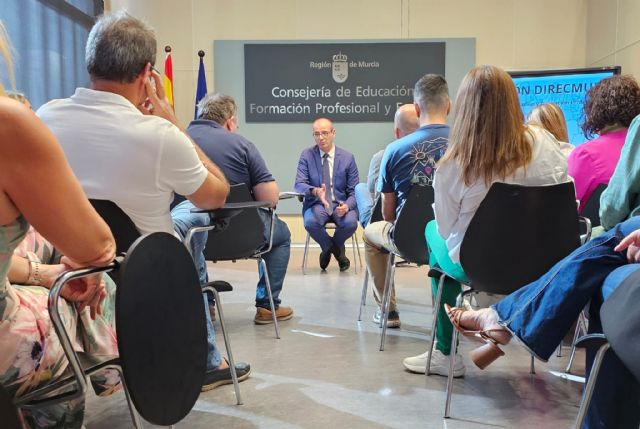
(264, 316)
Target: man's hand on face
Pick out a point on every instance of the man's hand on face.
(156, 103)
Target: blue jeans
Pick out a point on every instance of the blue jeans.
(364, 203)
(183, 220)
(276, 260)
(315, 217)
(542, 312)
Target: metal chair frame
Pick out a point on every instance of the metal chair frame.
(38, 398)
(441, 275)
(355, 246)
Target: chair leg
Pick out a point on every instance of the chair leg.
(532, 369)
(386, 298)
(452, 359)
(434, 323)
(359, 256)
(581, 328)
(591, 384)
(354, 245)
(559, 350)
(263, 263)
(227, 345)
(305, 255)
(363, 298)
(135, 417)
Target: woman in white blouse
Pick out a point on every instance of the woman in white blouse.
(488, 143)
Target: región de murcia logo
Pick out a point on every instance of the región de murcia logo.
(340, 68)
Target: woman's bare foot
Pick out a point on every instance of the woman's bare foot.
(485, 319)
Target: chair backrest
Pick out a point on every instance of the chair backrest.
(8, 412)
(591, 209)
(408, 232)
(621, 322)
(517, 234)
(376, 211)
(162, 336)
(122, 227)
(244, 234)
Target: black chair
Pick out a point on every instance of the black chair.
(376, 211)
(591, 209)
(124, 231)
(243, 237)
(620, 325)
(162, 350)
(408, 238)
(515, 236)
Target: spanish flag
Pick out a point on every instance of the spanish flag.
(168, 76)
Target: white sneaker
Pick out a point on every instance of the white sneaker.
(439, 364)
(393, 321)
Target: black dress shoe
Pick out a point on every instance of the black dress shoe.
(325, 257)
(344, 263)
(218, 377)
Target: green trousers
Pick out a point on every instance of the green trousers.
(439, 258)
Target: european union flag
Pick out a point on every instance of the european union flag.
(201, 90)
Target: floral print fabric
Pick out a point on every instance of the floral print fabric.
(30, 354)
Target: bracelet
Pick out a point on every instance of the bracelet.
(34, 270)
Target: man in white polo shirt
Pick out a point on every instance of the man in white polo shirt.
(125, 144)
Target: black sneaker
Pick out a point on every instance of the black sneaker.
(218, 377)
(325, 257)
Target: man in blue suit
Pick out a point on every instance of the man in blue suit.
(327, 176)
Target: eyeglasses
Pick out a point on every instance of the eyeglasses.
(317, 135)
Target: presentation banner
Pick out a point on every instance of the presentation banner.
(346, 82)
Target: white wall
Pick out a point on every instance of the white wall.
(613, 34)
(514, 34)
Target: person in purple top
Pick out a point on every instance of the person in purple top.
(609, 108)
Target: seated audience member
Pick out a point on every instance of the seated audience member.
(30, 353)
(609, 108)
(405, 122)
(488, 143)
(542, 312)
(240, 161)
(621, 199)
(124, 144)
(399, 171)
(550, 117)
(327, 176)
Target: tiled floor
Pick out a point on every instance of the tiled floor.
(326, 370)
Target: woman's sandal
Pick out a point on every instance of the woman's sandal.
(482, 356)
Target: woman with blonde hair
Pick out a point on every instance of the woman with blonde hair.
(550, 117)
(37, 187)
(488, 143)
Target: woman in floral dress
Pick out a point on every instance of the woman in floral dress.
(37, 187)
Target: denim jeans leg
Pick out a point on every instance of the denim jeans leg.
(276, 260)
(183, 220)
(541, 313)
(364, 203)
(614, 403)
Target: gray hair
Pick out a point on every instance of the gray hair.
(431, 93)
(216, 107)
(119, 47)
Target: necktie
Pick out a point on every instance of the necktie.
(326, 179)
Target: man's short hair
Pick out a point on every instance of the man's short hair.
(216, 107)
(431, 93)
(119, 47)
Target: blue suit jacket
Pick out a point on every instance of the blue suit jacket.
(309, 175)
